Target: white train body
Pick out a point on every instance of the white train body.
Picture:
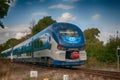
(59, 44)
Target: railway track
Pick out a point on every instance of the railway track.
(90, 74)
(103, 73)
(107, 75)
(110, 75)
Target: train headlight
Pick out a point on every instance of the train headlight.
(59, 47)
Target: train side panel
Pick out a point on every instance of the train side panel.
(44, 47)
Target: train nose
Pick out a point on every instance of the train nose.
(75, 55)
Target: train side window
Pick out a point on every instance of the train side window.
(29, 43)
(37, 43)
(21, 49)
(24, 49)
(40, 43)
(34, 43)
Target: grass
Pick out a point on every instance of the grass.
(93, 63)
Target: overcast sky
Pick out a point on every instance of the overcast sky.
(101, 14)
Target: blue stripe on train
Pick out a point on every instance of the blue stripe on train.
(64, 63)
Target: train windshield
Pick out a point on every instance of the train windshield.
(68, 32)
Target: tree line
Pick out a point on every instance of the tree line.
(100, 54)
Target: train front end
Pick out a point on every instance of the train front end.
(70, 45)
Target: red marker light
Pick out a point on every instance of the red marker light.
(75, 55)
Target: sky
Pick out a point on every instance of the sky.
(101, 14)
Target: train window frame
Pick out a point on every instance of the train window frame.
(37, 42)
(34, 43)
(40, 43)
(29, 43)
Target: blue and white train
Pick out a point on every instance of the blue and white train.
(60, 44)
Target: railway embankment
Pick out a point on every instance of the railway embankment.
(21, 71)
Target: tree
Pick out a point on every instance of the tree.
(94, 46)
(32, 24)
(42, 24)
(4, 6)
(11, 43)
(99, 54)
(92, 40)
(111, 49)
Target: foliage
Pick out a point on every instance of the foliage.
(1, 47)
(10, 43)
(111, 48)
(90, 34)
(4, 6)
(42, 24)
(93, 43)
(98, 53)
(94, 47)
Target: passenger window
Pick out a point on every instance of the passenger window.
(40, 43)
(29, 43)
(34, 44)
(37, 43)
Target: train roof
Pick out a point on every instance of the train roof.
(60, 25)
(52, 28)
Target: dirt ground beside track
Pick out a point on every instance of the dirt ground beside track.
(20, 71)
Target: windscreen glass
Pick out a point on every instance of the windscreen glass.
(68, 32)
